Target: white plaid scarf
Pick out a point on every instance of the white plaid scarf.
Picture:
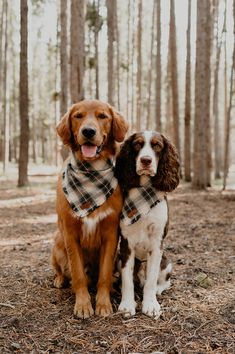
(139, 201)
(88, 185)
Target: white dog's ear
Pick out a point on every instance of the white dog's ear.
(120, 125)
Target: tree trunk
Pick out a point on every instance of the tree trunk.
(97, 91)
(63, 68)
(118, 56)
(174, 76)
(139, 68)
(149, 123)
(128, 58)
(187, 112)
(77, 50)
(217, 140)
(5, 115)
(132, 68)
(24, 119)
(228, 116)
(111, 29)
(158, 69)
(201, 163)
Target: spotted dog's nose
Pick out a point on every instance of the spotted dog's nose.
(88, 132)
(146, 160)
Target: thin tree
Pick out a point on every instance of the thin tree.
(187, 111)
(118, 54)
(128, 58)
(228, 116)
(111, 30)
(5, 115)
(174, 75)
(217, 142)
(23, 99)
(201, 160)
(77, 50)
(98, 25)
(158, 69)
(150, 69)
(63, 66)
(139, 67)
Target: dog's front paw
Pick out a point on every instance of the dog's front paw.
(83, 309)
(127, 308)
(151, 308)
(103, 309)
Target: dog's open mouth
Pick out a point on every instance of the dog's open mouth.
(90, 150)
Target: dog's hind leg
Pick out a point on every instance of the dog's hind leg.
(164, 281)
(59, 261)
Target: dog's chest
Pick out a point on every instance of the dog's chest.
(89, 223)
(147, 232)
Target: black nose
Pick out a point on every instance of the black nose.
(88, 132)
(146, 160)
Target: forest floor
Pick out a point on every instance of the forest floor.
(198, 312)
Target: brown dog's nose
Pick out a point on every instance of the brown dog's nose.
(146, 160)
(88, 132)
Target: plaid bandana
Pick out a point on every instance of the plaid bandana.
(88, 185)
(139, 202)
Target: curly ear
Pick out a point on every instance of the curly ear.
(168, 171)
(120, 125)
(125, 167)
(64, 130)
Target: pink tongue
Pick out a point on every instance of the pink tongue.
(89, 150)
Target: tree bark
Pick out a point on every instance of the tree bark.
(111, 29)
(187, 112)
(5, 115)
(97, 91)
(158, 69)
(228, 116)
(201, 163)
(139, 67)
(24, 118)
(149, 123)
(118, 55)
(174, 76)
(63, 69)
(217, 140)
(77, 50)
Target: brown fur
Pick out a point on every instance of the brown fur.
(88, 257)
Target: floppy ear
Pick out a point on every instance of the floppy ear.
(120, 125)
(168, 171)
(125, 167)
(64, 130)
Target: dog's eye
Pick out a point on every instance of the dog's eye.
(78, 115)
(137, 146)
(102, 116)
(156, 146)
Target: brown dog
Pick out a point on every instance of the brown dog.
(87, 245)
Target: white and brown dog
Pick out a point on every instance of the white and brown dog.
(147, 167)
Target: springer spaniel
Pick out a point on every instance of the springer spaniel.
(147, 167)
(89, 202)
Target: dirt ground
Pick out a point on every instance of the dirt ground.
(198, 312)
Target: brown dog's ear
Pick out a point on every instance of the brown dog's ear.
(64, 130)
(120, 125)
(168, 171)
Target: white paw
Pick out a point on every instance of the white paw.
(127, 308)
(151, 308)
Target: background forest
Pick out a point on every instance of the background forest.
(167, 65)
